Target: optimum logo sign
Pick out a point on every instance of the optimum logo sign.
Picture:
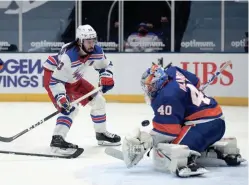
(203, 45)
(240, 43)
(24, 6)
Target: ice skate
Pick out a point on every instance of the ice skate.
(230, 159)
(108, 139)
(59, 145)
(192, 169)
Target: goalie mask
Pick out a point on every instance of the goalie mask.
(153, 79)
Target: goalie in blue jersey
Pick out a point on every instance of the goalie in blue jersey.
(187, 125)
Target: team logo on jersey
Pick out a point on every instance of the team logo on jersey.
(77, 75)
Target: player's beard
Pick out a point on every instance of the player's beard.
(86, 51)
(82, 52)
(90, 49)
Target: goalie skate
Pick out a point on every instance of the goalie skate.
(108, 139)
(192, 169)
(225, 150)
(60, 146)
(230, 159)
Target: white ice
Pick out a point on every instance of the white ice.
(94, 167)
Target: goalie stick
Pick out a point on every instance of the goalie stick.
(160, 62)
(215, 75)
(113, 152)
(76, 154)
(119, 155)
(9, 139)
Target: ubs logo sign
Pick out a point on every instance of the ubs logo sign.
(23, 6)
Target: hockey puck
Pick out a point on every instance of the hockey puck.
(145, 123)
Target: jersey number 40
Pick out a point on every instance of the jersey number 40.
(165, 110)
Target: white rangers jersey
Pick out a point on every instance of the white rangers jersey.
(69, 67)
(52, 61)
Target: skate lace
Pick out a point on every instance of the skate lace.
(108, 134)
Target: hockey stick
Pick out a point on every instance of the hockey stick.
(76, 154)
(113, 152)
(9, 139)
(215, 75)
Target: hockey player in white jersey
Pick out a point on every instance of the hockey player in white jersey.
(64, 82)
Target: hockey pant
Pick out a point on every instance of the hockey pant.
(75, 91)
(200, 136)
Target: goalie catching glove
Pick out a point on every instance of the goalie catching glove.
(135, 146)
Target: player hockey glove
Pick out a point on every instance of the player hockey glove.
(106, 80)
(64, 104)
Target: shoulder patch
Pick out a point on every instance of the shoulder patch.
(97, 50)
(73, 54)
(97, 53)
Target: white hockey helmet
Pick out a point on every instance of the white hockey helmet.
(85, 32)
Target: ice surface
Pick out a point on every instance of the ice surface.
(93, 167)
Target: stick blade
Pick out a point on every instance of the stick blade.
(114, 153)
(9, 139)
(76, 154)
(6, 139)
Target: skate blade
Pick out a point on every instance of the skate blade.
(61, 151)
(186, 172)
(106, 143)
(241, 160)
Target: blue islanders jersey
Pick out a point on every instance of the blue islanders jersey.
(181, 103)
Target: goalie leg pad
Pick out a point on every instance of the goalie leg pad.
(226, 149)
(168, 157)
(227, 146)
(174, 158)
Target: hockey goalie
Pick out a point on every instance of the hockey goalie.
(187, 126)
